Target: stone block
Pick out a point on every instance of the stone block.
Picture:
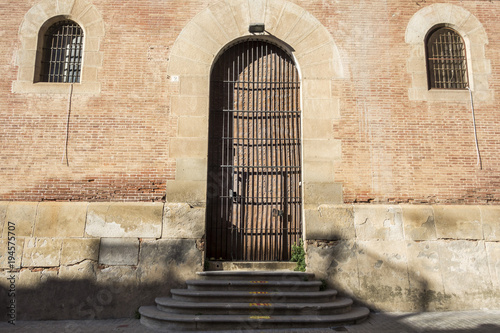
(3, 220)
(458, 222)
(490, 216)
(192, 192)
(305, 27)
(184, 66)
(419, 80)
(193, 127)
(188, 147)
(322, 150)
(89, 16)
(93, 59)
(225, 18)
(330, 222)
(458, 15)
(96, 29)
(78, 271)
(180, 220)
(209, 24)
(320, 36)
(378, 222)
(15, 249)
(426, 291)
(321, 108)
(79, 8)
(322, 193)
(418, 221)
(90, 74)
(257, 11)
(118, 292)
(29, 43)
(65, 6)
(383, 274)
(319, 171)
(273, 14)
(190, 105)
(185, 48)
(119, 251)
(22, 214)
(481, 82)
(465, 271)
(321, 70)
(336, 262)
(60, 219)
(92, 44)
(317, 88)
(191, 169)
(195, 85)
(75, 250)
(241, 12)
(481, 66)
(117, 219)
(41, 252)
(493, 252)
(168, 262)
(318, 129)
(195, 35)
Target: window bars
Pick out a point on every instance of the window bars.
(446, 60)
(62, 53)
(254, 173)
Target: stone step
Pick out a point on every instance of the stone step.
(152, 317)
(253, 285)
(214, 265)
(167, 304)
(257, 275)
(253, 296)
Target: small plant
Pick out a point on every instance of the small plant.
(137, 314)
(323, 286)
(299, 256)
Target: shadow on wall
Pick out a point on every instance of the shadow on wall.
(405, 276)
(92, 290)
(379, 275)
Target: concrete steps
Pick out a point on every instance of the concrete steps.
(249, 300)
(252, 296)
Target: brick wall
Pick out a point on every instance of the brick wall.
(393, 149)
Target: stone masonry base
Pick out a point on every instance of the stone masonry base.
(80, 260)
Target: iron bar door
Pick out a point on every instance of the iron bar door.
(254, 163)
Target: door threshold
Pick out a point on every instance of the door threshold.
(213, 265)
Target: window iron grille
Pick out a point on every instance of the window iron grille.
(446, 60)
(62, 53)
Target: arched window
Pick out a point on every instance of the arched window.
(62, 53)
(446, 60)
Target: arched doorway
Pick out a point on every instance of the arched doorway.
(254, 163)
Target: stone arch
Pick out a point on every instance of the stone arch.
(317, 59)
(82, 12)
(475, 38)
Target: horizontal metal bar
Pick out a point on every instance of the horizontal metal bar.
(262, 166)
(259, 82)
(260, 111)
(261, 139)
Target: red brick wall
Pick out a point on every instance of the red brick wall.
(393, 149)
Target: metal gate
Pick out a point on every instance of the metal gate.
(254, 168)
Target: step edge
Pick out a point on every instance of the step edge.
(170, 302)
(356, 313)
